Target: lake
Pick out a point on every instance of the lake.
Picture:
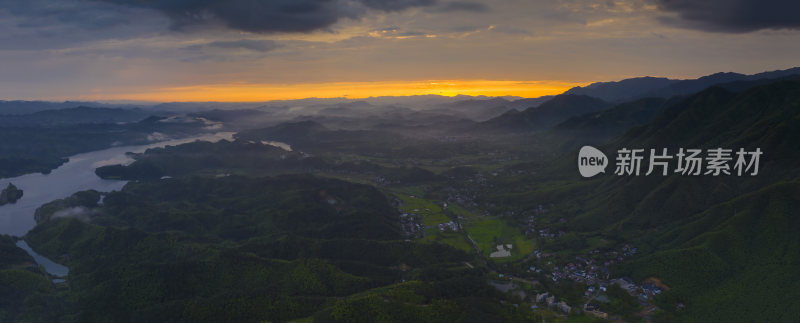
(74, 176)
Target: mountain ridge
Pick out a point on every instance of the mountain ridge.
(618, 91)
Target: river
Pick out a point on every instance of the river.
(74, 176)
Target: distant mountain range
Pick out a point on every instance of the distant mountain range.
(492, 113)
(77, 115)
(640, 87)
(601, 111)
(28, 107)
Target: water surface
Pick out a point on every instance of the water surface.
(49, 266)
(74, 176)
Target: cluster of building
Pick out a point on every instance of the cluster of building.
(410, 225)
(629, 250)
(461, 197)
(449, 226)
(594, 267)
(545, 233)
(645, 292)
(582, 270)
(381, 181)
(552, 302)
(649, 290)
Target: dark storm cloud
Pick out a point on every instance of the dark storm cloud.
(397, 5)
(43, 13)
(468, 6)
(251, 15)
(52, 24)
(733, 16)
(45, 24)
(269, 16)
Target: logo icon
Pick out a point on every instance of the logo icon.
(591, 161)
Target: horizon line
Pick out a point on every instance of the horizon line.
(241, 92)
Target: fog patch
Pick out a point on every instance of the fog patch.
(116, 160)
(78, 212)
(278, 144)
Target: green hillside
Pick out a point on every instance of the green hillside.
(726, 245)
(734, 261)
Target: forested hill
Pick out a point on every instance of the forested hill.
(254, 249)
(702, 235)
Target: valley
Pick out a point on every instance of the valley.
(319, 220)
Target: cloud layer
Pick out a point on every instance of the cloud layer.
(467, 6)
(732, 16)
(269, 16)
(90, 49)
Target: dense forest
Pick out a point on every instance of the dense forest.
(278, 248)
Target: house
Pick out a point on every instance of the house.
(651, 289)
(449, 226)
(542, 297)
(594, 309)
(602, 315)
(564, 307)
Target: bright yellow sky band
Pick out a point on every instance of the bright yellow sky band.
(246, 92)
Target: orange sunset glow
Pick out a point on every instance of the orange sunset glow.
(244, 92)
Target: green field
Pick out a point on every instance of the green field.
(430, 212)
(432, 215)
(483, 230)
(455, 239)
(487, 232)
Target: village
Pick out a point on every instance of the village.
(594, 270)
(594, 278)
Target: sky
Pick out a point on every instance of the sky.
(260, 50)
